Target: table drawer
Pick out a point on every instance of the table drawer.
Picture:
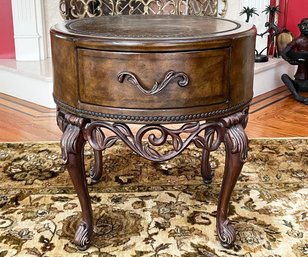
(153, 80)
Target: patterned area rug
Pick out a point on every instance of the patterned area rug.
(142, 208)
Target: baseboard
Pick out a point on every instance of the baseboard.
(267, 75)
(30, 81)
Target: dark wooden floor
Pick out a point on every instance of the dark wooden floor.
(275, 114)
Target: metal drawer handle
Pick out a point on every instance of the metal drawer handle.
(157, 87)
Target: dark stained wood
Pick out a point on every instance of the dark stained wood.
(236, 144)
(96, 171)
(72, 145)
(115, 91)
(96, 78)
(228, 130)
(202, 70)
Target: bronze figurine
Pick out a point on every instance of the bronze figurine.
(296, 53)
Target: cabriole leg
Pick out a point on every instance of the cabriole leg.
(206, 170)
(236, 145)
(97, 168)
(72, 146)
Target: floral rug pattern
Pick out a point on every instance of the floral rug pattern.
(147, 209)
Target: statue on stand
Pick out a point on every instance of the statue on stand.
(296, 53)
(271, 29)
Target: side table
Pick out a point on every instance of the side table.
(113, 71)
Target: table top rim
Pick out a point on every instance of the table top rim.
(160, 36)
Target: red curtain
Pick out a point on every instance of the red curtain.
(7, 47)
(297, 10)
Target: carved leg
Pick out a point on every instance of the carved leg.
(72, 145)
(97, 168)
(206, 170)
(236, 144)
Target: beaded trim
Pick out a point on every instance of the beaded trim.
(138, 118)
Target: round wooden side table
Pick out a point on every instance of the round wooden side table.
(114, 71)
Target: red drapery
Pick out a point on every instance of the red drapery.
(297, 9)
(7, 47)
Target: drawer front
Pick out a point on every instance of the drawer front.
(146, 81)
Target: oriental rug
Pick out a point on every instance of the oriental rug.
(144, 209)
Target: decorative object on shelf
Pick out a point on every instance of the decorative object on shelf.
(285, 36)
(296, 53)
(272, 30)
(259, 56)
(249, 12)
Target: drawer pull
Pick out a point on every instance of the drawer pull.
(157, 87)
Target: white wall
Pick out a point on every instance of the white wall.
(233, 10)
(52, 16)
(235, 7)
